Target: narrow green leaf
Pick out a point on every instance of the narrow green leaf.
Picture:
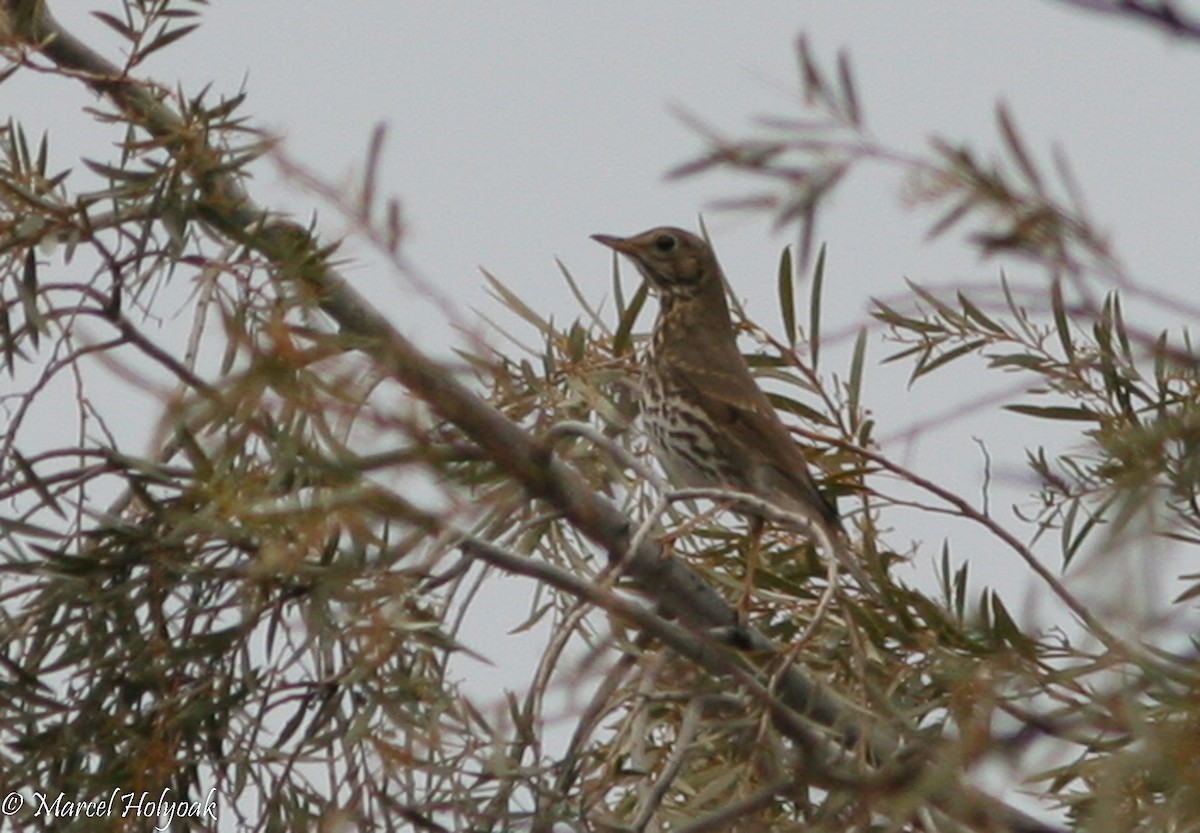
(43, 153)
(511, 300)
(954, 583)
(577, 342)
(787, 298)
(1022, 360)
(766, 361)
(27, 292)
(1061, 323)
(892, 318)
(1118, 326)
(1072, 546)
(1004, 627)
(165, 39)
(1068, 541)
(944, 572)
(865, 435)
(1102, 334)
(960, 590)
(1057, 412)
(618, 292)
(366, 202)
(226, 107)
(947, 220)
(591, 311)
(235, 323)
(949, 356)
(6, 340)
(549, 359)
(21, 145)
(1018, 312)
(29, 274)
(623, 339)
(796, 408)
(1189, 594)
(119, 26)
(928, 297)
(977, 315)
(810, 77)
(904, 354)
(814, 308)
(849, 96)
(1012, 138)
(178, 14)
(121, 174)
(1161, 366)
(854, 388)
(32, 479)
(56, 180)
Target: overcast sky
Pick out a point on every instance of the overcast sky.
(518, 129)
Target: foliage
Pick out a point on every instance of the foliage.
(268, 598)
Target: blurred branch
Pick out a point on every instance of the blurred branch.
(1162, 14)
(700, 648)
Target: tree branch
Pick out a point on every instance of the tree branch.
(1162, 14)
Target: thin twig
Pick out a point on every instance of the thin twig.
(724, 818)
(1162, 14)
(689, 725)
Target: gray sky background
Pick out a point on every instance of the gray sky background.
(517, 129)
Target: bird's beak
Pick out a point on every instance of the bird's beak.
(624, 245)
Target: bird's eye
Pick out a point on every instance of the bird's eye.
(665, 243)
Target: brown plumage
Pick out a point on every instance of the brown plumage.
(709, 423)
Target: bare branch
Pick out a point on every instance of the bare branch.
(1162, 14)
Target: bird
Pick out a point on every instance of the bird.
(708, 422)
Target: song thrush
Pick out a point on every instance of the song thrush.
(709, 423)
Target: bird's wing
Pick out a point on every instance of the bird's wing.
(730, 397)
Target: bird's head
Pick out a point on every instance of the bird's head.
(676, 262)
